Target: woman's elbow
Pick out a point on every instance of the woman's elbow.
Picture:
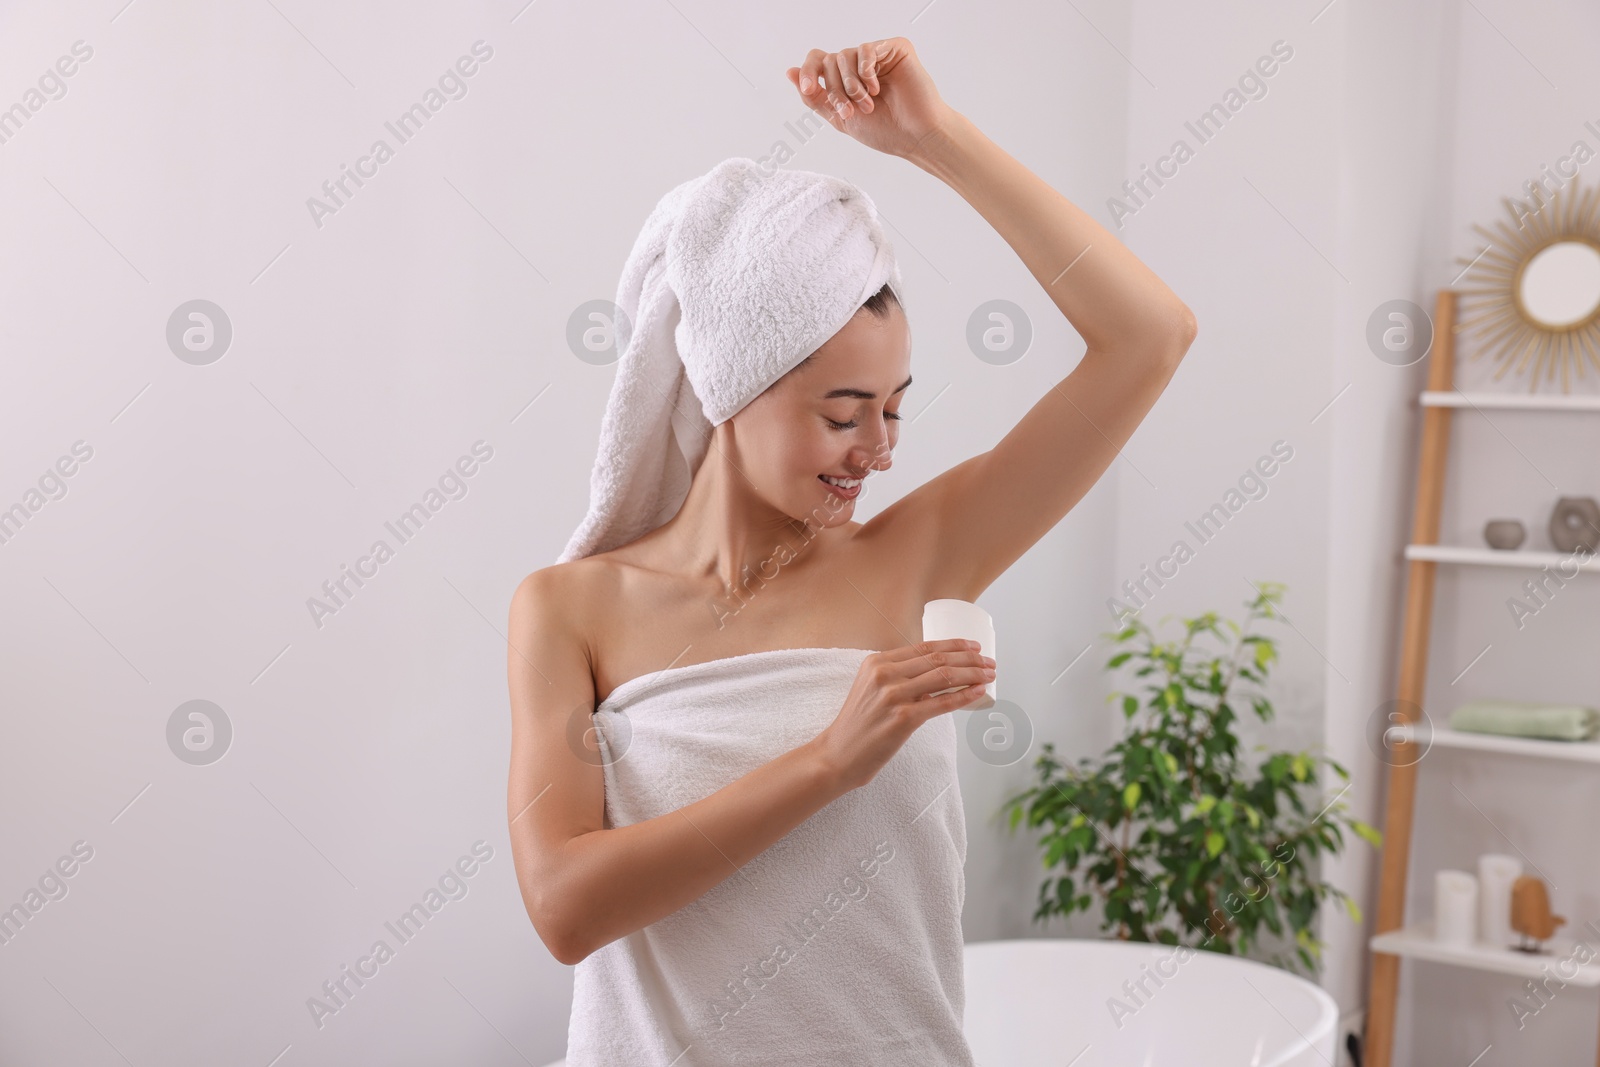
(565, 952)
(1186, 330)
(558, 936)
(554, 927)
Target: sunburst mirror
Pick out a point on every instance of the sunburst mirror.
(1534, 293)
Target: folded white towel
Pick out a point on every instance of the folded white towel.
(737, 276)
(839, 945)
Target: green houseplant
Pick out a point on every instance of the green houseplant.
(1183, 840)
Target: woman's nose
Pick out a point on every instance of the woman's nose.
(880, 457)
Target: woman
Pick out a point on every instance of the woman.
(741, 824)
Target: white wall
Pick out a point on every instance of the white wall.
(430, 313)
(369, 754)
(1394, 128)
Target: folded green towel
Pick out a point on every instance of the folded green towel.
(1557, 722)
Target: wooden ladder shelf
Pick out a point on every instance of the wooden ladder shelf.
(1391, 941)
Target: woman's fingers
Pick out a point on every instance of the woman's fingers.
(944, 676)
(818, 79)
(851, 82)
(933, 665)
(840, 82)
(959, 699)
(922, 650)
(816, 99)
(830, 74)
(867, 65)
(811, 73)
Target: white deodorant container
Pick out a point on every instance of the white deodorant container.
(946, 619)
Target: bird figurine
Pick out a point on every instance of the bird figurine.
(1530, 913)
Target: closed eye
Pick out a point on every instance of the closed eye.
(852, 424)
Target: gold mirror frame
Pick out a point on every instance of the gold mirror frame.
(1493, 309)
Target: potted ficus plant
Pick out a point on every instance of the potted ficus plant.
(1179, 837)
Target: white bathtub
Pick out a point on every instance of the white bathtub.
(1040, 1001)
(1047, 1001)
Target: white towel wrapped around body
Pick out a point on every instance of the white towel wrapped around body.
(840, 945)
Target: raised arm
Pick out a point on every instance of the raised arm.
(997, 505)
(992, 508)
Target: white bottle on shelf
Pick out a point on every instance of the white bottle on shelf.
(1496, 873)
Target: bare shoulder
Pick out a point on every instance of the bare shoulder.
(553, 608)
(568, 583)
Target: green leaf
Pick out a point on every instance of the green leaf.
(1368, 834)
(1297, 767)
(1016, 816)
(1353, 908)
(1205, 804)
(1129, 707)
(1214, 843)
(1130, 796)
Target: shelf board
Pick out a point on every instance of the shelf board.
(1510, 401)
(1444, 737)
(1493, 557)
(1417, 942)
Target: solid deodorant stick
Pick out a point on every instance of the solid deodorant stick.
(943, 620)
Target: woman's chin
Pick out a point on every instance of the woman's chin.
(837, 509)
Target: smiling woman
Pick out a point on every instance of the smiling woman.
(727, 471)
(879, 328)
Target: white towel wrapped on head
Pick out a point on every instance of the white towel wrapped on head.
(736, 277)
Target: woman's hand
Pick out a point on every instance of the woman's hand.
(879, 93)
(890, 699)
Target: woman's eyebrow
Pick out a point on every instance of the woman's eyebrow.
(861, 394)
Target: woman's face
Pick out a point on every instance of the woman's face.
(838, 415)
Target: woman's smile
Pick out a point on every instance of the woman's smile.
(850, 488)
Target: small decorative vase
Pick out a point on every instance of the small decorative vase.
(1504, 533)
(1575, 524)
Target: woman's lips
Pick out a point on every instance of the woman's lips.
(839, 490)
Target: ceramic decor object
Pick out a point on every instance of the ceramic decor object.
(1575, 524)
(1504, 534)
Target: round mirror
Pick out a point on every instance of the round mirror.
(1560, 286)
